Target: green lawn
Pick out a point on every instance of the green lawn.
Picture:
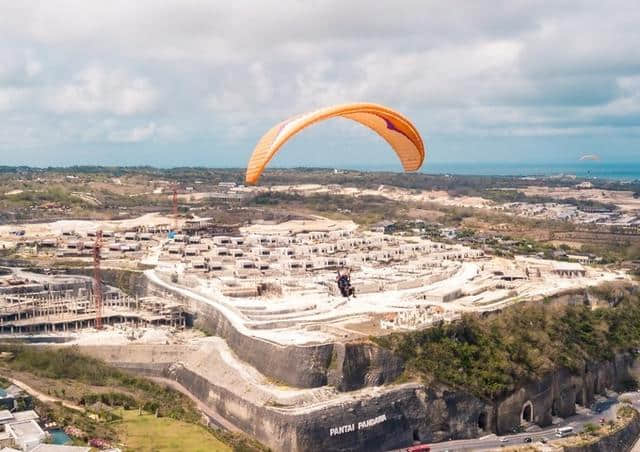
(152, 434)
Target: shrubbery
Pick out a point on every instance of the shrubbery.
(68, 363)
(491, 356)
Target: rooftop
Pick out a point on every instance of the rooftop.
(25, 429)
(567, 266)
(28, 415)
(59, 448)
(5, 415)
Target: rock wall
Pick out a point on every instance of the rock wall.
(356, 365)
(557, 393)
(131, 282)
(300, 366)
(371, 420)
(391, 420)
(304, 366)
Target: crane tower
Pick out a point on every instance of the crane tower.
(97, 279)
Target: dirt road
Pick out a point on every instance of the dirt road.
(44, 397)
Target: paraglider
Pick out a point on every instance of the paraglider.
(344, 284)
(395, 128)
(590, 157)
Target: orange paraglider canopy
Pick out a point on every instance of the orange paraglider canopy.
(396, 129)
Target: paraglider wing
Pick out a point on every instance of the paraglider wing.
(397, 130)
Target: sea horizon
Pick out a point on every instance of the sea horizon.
(625, 171)
(622, 171)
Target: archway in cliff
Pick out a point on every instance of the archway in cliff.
(554, 408)
(526, 415)
(579, 399)
(416, 435)
(482, 421)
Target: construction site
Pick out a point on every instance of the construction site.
(32, 303)
(279, 279)
(290, 345)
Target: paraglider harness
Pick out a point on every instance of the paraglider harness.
(344, 284)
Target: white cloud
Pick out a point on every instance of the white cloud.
(135, 135)
(153, 71)
(96, 90)
(33, 68)
(11, 98)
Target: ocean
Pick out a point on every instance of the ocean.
(629, 171)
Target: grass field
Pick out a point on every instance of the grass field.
(151, 434)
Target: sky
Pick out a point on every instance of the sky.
(196, 83)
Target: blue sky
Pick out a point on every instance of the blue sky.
(176, 83)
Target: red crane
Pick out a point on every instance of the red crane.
(97, 279)
(175, 208)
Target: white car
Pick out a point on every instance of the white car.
(504, 440)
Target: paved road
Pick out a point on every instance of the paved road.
(605, 408)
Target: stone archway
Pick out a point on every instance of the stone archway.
(526, 415)
(482, 421)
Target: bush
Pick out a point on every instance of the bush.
(112, 399)
(491, 356)
(68, 363)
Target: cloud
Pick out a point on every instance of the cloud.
(96, 90)
(134, 135)
(11, 98)
(217, 74)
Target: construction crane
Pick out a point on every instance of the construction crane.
(175, 208)
(97, 279)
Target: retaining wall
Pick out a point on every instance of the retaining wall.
(304, 366)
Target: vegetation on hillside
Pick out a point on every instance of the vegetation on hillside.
(68, 363)
(492, 356)
(67, 374)
(362, 209)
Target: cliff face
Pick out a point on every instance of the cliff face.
(377, 418)
(558, 392)
(132, 282)
(381, 422)
(392, 420)
(355, 366)
(345, 366)
(370, 419)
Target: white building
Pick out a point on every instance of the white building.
(59, 448)
(26, 434)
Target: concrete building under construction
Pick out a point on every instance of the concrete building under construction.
(44, 304)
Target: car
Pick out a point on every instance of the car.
(528, 439)
(419, 448)
(504, 440)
